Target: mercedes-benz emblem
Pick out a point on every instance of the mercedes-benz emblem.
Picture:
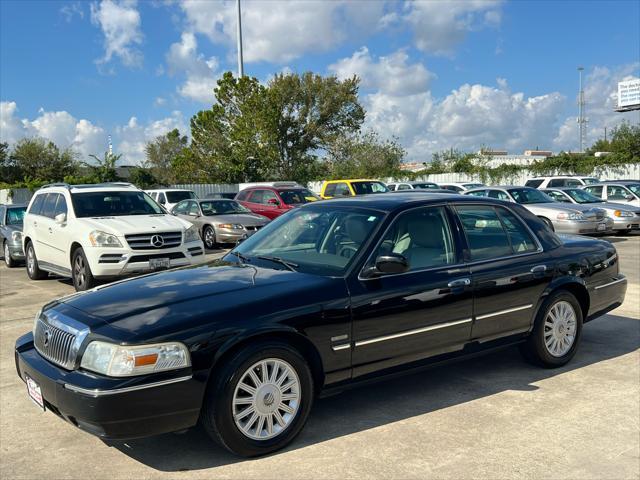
(47, 336)
(157, 241)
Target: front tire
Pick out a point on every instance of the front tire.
(8, 261)
(209, 237)
(81, 272)
(260, 400)
(556, 332)
(33, 270)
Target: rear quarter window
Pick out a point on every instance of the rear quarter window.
(533, 183)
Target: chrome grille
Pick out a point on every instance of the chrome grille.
(143, 241)
(253, 228)
(55, 344)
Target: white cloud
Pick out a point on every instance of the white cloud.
(280, 31)
(439, 26)
(131, 139)
(60, 127)
(601, 96)
(120, 23)
(390, 74)
(201, 75)
(72, 9)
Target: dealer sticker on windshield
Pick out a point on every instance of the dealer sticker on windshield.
(33, 389)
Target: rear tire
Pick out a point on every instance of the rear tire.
(8, 261)
(81, 272)
(260, 422)
(556, 331)
(33, 270)
(548, 223)
(209, 237)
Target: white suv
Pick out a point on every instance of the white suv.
(90, 232)
(560, 181)
(170, 197)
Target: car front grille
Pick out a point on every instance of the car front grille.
(253, 228)
(149, 241)
(55, 344)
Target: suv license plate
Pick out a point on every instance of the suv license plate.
(602, 226)
(33, 389)
(158, 263)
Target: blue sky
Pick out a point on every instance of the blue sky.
(435, 74)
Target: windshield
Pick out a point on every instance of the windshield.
(634, 187)
(422, 186)
(363, 188)
(15, 215)
(297, 196)
(322, 241)
(529, 195)
(589, 180)
(179, 195)
(114, 204)
(582, 196)
(222, 207)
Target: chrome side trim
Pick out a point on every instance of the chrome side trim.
(344, 346)
(412, 332)
(503, 312)
(115, 391)
(623, 279)
(339, 337)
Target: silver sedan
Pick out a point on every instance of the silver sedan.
(220, 220)
(625, 217)
(575, 219)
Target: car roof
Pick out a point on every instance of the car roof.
(90, 187)
(613, 182)
(354, 180)
(459, 184)
(397, 200)
(169, 190)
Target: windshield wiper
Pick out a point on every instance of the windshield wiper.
(242, 258)
(290, 265)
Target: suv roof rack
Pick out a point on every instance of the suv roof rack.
(59, 184)
(89, 185)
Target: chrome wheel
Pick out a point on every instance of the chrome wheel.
(31, 260)
(560, 329)
(266, 399)
(209, 238)
(79, 272)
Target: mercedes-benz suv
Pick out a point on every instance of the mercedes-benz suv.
(103, 231)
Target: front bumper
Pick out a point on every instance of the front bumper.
(626, 223)
(114, 262)
(228, 235)
(573, 227)
(115, 408)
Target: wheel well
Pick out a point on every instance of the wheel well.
(74, 247)
(297, 341)
(26, 241)
(581, 294)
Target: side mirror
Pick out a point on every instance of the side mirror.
(60, 218)
(162, 202)
(273, 201)
(388, 264)
(630, 198)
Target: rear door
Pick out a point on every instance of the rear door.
(61, 235)
(45, 239)
(508, 268)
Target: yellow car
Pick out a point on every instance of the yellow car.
(350, 188)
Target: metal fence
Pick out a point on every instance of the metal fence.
(204, 190)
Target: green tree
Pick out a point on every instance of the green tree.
(365, 156)
(625, 143)
(105, 167)
(142, 177)
(9, 171)
(162, 152)
(37, 159)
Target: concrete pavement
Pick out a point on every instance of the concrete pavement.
(490, 417)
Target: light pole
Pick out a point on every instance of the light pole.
(240, 66)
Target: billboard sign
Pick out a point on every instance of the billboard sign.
(629, 93)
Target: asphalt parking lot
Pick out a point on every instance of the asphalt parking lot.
(490, 417)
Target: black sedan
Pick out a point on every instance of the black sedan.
(329, 295)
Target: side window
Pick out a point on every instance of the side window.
(2, 213)
(161, 198)
(256, 196)
(330, 190)
(194, 209)
(61, 206)
(533, 183)
(269, 195)
(520, 238)
(391, 186)
(242, 196)
(404, 186)
(597, 191)
(342, 190)
(422, 236)
(36, 206)
(49, 205)
(478, 193)
(572, 183)
(616, 193)
(485, 234)
(557, 182)
(181, 208)
(557, 196)
(498, 194)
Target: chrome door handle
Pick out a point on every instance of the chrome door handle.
(35, 224)
(50, 230)
(461, 282)
(539, 269)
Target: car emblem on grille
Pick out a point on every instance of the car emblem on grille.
(47, 335)
(157, 241)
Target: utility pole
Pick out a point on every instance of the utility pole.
(582, 121)
(240, 66)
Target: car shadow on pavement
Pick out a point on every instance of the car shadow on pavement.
(394, 400)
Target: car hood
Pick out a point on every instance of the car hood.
(12, 228)
(553, 208)
(612, 207)
(128, 224)
(197, 295)
(242, 218)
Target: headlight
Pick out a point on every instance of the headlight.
(103, 239)
(125, 361)
(35, 322)
(191, 235)
(570, 216)
(620, 213)
(16, 237)
(231, 226)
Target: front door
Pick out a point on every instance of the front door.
(399, 318)
(508, 269)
